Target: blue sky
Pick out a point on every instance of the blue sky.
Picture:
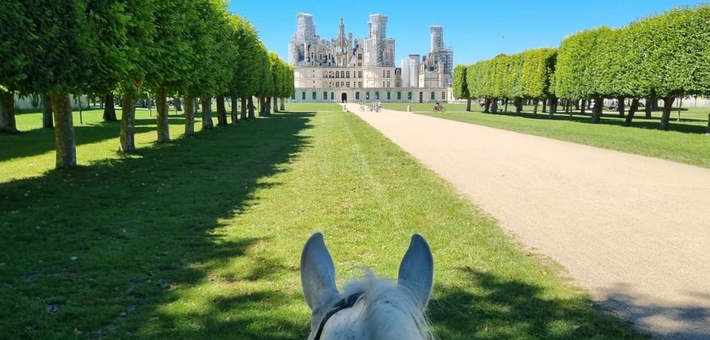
(477, 30)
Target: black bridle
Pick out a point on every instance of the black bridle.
(347, 302)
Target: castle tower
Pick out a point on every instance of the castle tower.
(378, 26)
(305, 29)
(437, 38)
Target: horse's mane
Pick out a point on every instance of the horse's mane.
(390, 310)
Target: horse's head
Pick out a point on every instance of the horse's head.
(371, 309)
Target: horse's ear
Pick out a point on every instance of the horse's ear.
(416, 272)
(317, 272)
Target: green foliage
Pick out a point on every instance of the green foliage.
(538, 68)
(577, 72)
(61, 61)
(477, 79)
(512, 87)
(16, 37)
(245, 37)
(460, 84)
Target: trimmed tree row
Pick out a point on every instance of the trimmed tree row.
(132, 49)
(659, 57)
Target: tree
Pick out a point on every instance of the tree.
(537, 72)
(676, 61)
(577, 73)
(169, 57)
(244, 82)
(460, 85)
(140, 33)
(476, 81)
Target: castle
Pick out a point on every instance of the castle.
(348, 69)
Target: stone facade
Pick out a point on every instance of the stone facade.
(347, 69)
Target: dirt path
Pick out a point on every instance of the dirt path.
(633, 230)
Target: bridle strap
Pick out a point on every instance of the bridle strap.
(345, 303)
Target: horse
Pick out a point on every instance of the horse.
(371, 308)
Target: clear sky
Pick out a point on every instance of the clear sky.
(477, 30)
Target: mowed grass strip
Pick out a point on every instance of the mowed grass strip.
(686, 142)
(201, 239)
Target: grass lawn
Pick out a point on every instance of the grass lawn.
(685, 143)
(200, 238)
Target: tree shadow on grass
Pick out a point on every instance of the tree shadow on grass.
(640, 121)
(98, 251)
(506, 308)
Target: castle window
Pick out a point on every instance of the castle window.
(388, 84)
(357, 95)
(337, 75)
(367, 95)
(347, 74)
(399, 95)
(332, 95)
(377, 96)
(337, 84)
(325, 95)
(383, 73)
(432, 95)
(443, 95)
(303, 95)
(409, 95)
(359, 74)
(347, 84)
(313, 95)
(388, 74)
(342, 74)
(389, 95)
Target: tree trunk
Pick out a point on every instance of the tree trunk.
(468, 104)
(245, 107)
(178, 106)
(109, 108)
(250, 103)
(597, 110)
(276, 104)
(667, 108)
(221, 112)
(189, 115)
(518, 102)
(161, 105)
(494, 105)
(553, 108)
(207, 123)
(127, 140)
(648, 107)
(536, 103)
(632, 111)
(544, 105)
(7, 112)
(47, 120)
(621, 106)
(584, 107)
(487, 105)
(283, 104)
(506, 105)
(234, 110)
(64, 131)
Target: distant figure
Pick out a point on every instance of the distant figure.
(612, 106)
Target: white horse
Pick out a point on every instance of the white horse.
(371, 309)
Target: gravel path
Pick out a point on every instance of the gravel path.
(633, 230)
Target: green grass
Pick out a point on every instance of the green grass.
(685, 143)
(201, 238)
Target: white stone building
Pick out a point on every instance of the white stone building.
(347, 69)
